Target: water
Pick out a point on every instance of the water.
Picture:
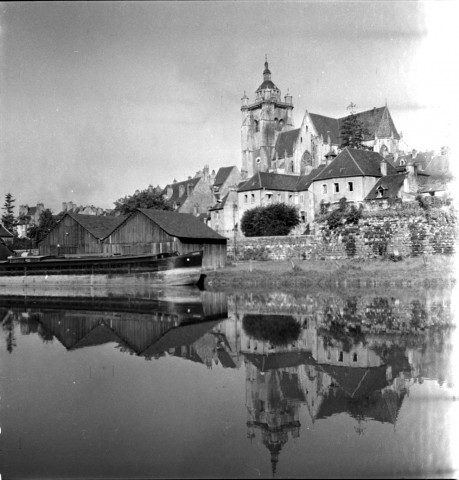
(183, 384)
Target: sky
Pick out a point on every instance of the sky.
(99, 99)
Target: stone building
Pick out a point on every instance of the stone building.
(271, 143)
(194, 195)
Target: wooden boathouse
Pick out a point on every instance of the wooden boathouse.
(143, 231)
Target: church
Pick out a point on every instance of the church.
(271, 143)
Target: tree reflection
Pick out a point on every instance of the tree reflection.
(278, 330)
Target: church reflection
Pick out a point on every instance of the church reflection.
(327, 353)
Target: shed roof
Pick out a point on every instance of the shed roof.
(351, 162)
(97, 225)
(4, 233)
(181, 225)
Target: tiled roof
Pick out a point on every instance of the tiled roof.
(391, 185)
(181, 225)
(327, 124)
(267, 84)
(4, 232)
(351, 162)
(180, 336)
(5, 251)
(222, 174)
(285, 143)
(271, 181)
(97, 225)
(176, 197)
(375, 121)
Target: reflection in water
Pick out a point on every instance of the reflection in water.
(330, 354)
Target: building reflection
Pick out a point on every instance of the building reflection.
(329, 354)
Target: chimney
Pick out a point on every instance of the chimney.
(383, 167)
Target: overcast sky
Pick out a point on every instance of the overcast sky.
(99, 99)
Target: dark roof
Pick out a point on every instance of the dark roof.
(327, 124)
(5, 251)
(4, 233)
(267, 84)
(272, 181)
(176, 197)
(376, 121)
(285, 143)
(180, 336)
(97, 225)
(391, 185)
(274, 361)
(98, 336)
(432, 184)
(181, 225)
(222, 174)
(351, 162)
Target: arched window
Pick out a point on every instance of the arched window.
(257, 126)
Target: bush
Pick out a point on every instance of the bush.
(272, 220)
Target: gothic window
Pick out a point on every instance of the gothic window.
(257, 127)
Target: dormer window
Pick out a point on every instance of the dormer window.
(379, 192)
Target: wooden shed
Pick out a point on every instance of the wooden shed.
(157, 231)
(79, 234)
(143, 231)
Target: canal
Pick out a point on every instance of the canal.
(201, 384)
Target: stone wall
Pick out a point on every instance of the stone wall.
(373, 236)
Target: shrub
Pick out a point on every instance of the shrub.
(275, 219)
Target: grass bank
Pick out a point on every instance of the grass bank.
(414, 272)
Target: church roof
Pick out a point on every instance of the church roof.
(285, 143)
(376, 121)
(351, 162)
(325, 125)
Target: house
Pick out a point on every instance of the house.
(143, 231)
(226, 179)
(224, 216)
(193, 195)
(266, 188)
(28, 217)
(351, 174)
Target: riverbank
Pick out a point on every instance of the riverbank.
(432, 271)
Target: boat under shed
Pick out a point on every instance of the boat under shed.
(147, 230)
(143, 231)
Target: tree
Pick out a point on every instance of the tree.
(275, 219)
(353, 131)
(46, 223)
(8, 217)
(148, 198)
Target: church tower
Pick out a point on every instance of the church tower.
(262, 121)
